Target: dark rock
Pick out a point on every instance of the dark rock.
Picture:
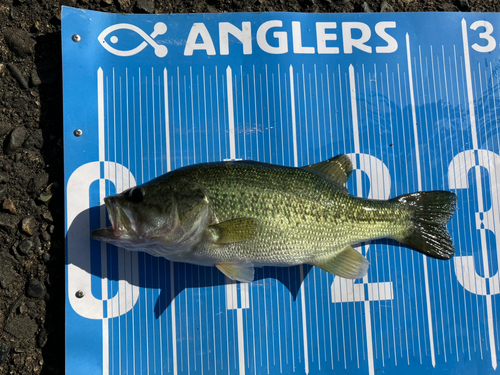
(36, 289)
(19, 41)
(35, 79)
(8, 222)
(38, 182)
(35, 140)
(125, 5)
(18, 75)
(21, 327)
(42, 338)
(7, 274)
(16, 139)
(28, 225)
(386, 7)
(37, 244)
(4, 350)
(146, 6)
(447, 7)
(46, 236)
(464, 5)
(5, 127)
(46, 257)
(2, 192)
(32, 205)
(26, 247)
(307, 3)
(8, 205)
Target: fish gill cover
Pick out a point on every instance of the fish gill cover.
(410, 98)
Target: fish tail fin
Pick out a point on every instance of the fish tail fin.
(429, 213)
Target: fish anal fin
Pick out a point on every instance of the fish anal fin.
(337, 169)
(232, 231)
(242, 272)
(347, 263)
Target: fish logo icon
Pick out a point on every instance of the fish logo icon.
(159, 29)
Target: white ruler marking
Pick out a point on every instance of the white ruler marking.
(294, 119)
(419, 178)
(479, 187)
(167, 119)
(357, 150)
(304, 320)
(102, 193)
(230, 113)
(174, 325)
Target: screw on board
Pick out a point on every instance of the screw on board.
(76, 38)
(78, 132)
(80, 294)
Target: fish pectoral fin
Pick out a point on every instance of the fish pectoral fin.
(232, 231)
(347, 263)
(337, 169)
(242, 272)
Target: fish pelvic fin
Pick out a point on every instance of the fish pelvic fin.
(427, 232)
(347, 263)
(242, 272)
(337, 169)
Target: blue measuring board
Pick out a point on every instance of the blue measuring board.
(413, 99)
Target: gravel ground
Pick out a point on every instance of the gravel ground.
(31, 158)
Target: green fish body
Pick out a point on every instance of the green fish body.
(237, 215)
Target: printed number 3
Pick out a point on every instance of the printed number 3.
(486, 36)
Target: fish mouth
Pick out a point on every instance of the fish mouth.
(120, 222)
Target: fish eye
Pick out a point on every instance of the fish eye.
(136, 194)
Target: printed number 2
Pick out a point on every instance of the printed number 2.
(345, 290)
(486, 35)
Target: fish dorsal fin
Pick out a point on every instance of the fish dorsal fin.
(234, 230)
(242, 272)
(338, 169)
(347, 263)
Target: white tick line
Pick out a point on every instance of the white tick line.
(230, 113)
(459, 235)
(167, 119)
(294, 119)
(102, 193)
(192, 113)
(354, 111)
(489, 307)
(419, 177)
(243, 113)
(304, 320)
(305, 110)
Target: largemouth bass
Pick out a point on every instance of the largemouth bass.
(238, 215)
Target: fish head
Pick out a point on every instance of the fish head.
(139, 214)
(169, 216)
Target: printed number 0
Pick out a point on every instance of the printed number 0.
(486, 35)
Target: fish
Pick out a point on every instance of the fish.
(238, 215)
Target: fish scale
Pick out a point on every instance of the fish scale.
(237, 215)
